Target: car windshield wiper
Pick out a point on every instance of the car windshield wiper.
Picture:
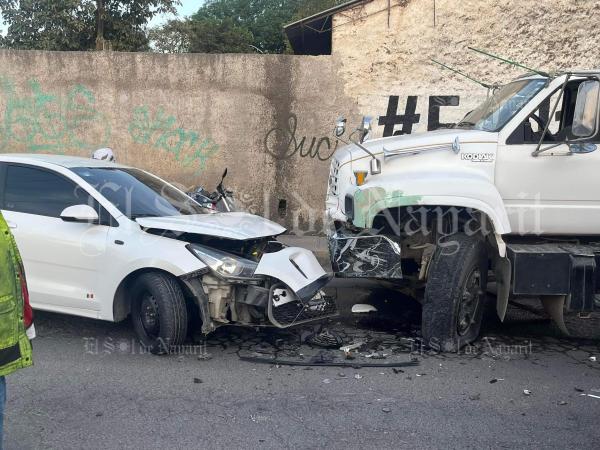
(141, 216)
(465, 122)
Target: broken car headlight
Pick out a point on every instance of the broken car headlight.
(224, 264)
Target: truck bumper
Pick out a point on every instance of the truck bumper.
(362, 255)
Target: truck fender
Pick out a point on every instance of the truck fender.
(433, 187)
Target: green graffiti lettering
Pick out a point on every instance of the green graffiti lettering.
(160, 131)
(40, 121)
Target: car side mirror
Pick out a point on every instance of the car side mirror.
(80, 213)
(585, 117)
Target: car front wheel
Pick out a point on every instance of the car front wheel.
(158, 312)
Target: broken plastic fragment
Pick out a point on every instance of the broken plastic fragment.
(362, 308)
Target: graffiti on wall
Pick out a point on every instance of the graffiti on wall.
(410, 118)
(159, 130)
(284, 142)
(36, 120)
(40, 121)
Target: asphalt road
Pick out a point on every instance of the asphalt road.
(92, 388)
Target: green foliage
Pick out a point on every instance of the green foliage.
(201, 36)
(72, 24)
(264, 19)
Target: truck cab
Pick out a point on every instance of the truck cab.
(509, 197)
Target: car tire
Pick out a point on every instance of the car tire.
(158, 312)
(455, 293)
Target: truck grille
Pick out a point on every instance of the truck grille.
(333, 177)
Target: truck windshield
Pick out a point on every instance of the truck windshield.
(498, 109)
(137, 193)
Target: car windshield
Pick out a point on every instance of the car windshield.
(498, 109)
(137, 193)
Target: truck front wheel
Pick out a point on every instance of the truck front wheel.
(455, 293)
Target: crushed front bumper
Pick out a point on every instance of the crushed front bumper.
(361, 255)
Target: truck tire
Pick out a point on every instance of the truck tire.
(158, 312)
(455, 293)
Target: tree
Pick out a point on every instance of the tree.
(74, 24)
(263, 19)
(201, 36)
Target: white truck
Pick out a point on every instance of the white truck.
(511, 194)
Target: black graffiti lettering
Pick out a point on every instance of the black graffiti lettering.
(435, 103)
(407, 120)
(292, 146)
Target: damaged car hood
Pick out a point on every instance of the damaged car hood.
(231, 225)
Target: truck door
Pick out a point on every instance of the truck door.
(557, 192)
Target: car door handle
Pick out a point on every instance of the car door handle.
(11, 225)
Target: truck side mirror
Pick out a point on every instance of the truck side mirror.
(365, 128)
(340, 127)
(585, 117)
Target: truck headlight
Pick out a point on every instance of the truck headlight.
(224, 264)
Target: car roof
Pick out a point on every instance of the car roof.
(58, 160)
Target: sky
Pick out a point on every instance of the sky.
(187, 8)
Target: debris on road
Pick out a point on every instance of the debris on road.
(475, 396)
(204, 356)
(358, 376)
(562, 403)
(526, 392)
(361, 308)
(579, 389)
(354, 346)
(324, 338)
(590, 395)
(495, 380)
(326, 381)
(386, 410)
(198, 381)
(592, 358)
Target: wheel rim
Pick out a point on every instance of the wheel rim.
(149, 315)
(469, 302)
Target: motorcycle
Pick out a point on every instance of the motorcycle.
(221, 200)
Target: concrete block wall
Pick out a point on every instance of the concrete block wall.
(385, 53)
(267, 118)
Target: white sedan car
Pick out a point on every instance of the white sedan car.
(106, 241)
